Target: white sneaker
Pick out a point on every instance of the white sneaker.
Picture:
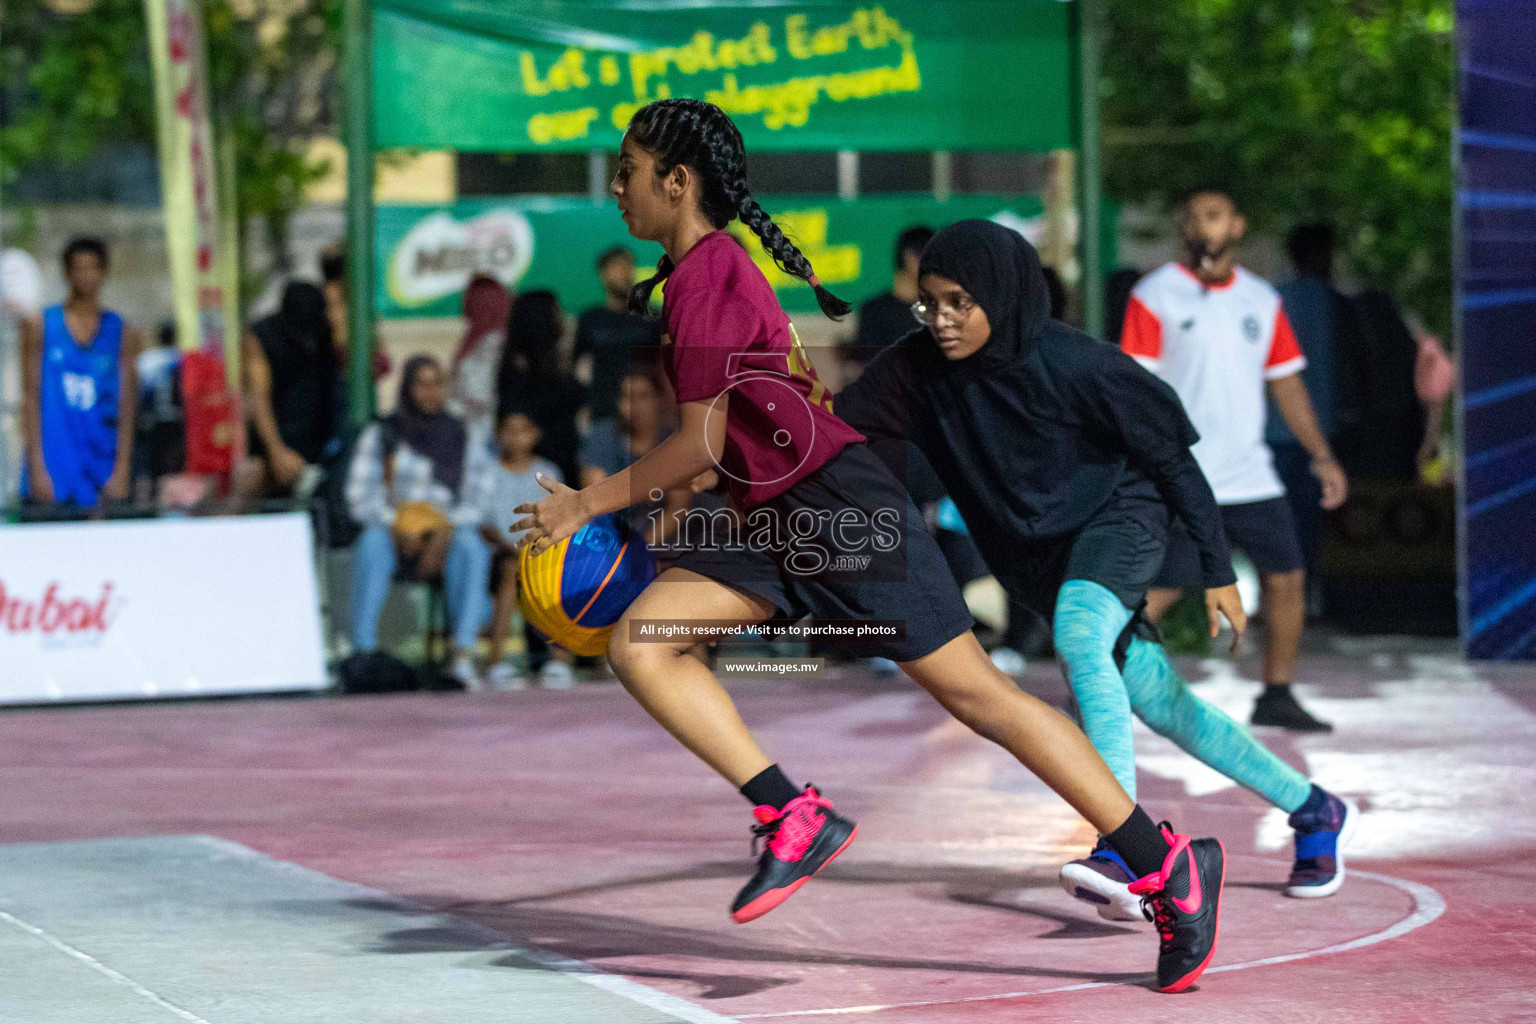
(463, 671)
(505, 678)
(556, 675)
(1008, 661)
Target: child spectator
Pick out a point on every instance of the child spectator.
(513, 481)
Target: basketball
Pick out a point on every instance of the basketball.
(574, 591)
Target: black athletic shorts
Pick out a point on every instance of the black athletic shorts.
(1264, 530)
(850, 546)
(1120, 549)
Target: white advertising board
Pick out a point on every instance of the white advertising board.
(158, 608)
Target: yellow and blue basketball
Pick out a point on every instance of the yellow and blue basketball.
(574, 591)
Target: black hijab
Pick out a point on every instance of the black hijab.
(437, 436)
(1001, 271)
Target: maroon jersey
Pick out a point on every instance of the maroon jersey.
(728, 335)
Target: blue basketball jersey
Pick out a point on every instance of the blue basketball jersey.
(78, 405)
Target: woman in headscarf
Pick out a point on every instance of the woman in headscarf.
(1066, 459)
(416, 486)
(530, 379)
(291, 390)
(487, 304)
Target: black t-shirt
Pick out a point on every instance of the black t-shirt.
(609, 337)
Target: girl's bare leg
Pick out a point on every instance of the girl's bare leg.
(677, 689)
(962, 678)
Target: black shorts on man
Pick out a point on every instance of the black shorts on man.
(1263, 530)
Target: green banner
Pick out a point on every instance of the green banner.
(566, 75)
(426, 254)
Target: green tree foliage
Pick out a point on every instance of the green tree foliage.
(1337, 109)
(80, 80)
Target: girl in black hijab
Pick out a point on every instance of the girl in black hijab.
(1065, 458)
(422, 421)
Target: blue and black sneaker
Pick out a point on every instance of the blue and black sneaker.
(1103, 879)
(1324, 826)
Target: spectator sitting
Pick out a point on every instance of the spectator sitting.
(607, 335)
(291, 376)
(487, 304)
(615, 442)
(79, 392)
(410, 483)
(530, 378)
(513, 481)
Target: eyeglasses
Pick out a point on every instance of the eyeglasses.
(958, 312)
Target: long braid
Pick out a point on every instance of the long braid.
(639, 302)
(700, 136)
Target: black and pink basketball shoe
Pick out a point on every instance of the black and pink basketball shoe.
(802, 838)
(1184, 901)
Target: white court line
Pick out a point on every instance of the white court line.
(579, 970)
(1428, 905)
(101, 968)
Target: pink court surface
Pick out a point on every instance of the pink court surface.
(569, 825)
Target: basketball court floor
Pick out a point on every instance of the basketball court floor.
(554, 858)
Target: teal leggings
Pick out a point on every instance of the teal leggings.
(1089, 621)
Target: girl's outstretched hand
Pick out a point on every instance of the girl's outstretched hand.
(1225, 601)
(553, 519)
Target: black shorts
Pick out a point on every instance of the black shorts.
(838, 569)
(1264, 530)
(1120, 549)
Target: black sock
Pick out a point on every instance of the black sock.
(1277, 689)
(770, 786)
(1140, 843)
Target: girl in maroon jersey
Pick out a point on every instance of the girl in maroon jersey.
(753, 411)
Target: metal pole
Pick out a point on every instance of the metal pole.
(943, 175)
(597, 176)
(847, 174)
(358, 58)
(1090, 33)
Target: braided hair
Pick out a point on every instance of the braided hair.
(699, 136)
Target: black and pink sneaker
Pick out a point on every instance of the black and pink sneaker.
(1184, 901)
(804, 837)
